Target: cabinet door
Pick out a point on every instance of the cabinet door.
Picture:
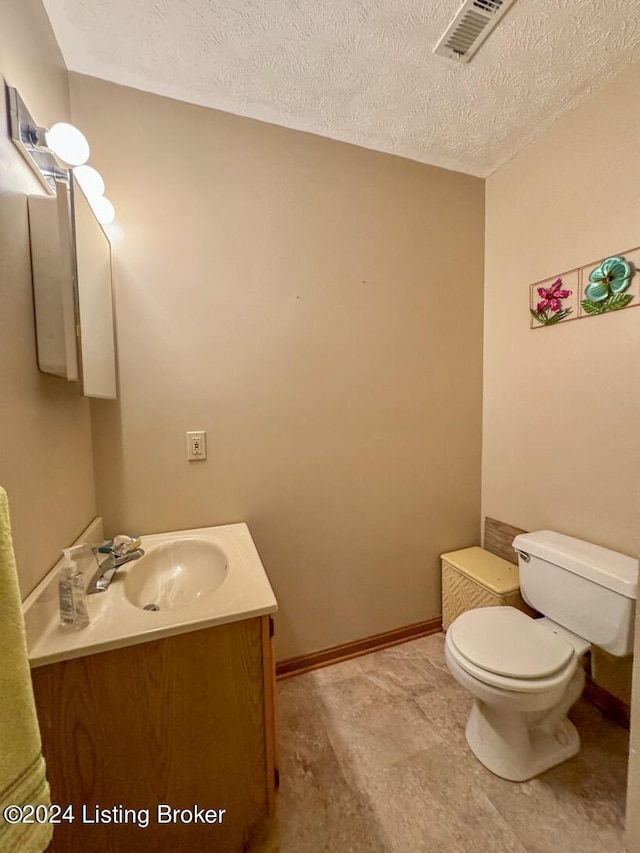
(52, 269)
(72, 291)
(179, 722)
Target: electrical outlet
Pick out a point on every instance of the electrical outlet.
(196, 445)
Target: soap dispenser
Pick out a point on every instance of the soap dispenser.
(71, 594)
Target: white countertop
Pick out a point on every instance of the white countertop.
(116, 622)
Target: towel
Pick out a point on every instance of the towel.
(22, 767)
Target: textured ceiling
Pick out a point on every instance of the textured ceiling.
(361, 71)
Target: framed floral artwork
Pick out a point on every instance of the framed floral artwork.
(601, 287)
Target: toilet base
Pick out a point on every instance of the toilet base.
(512, 746)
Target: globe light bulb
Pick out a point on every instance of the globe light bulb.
(103, 209)
(68, 144)
(90, 180)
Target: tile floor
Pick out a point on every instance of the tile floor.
(373, 759)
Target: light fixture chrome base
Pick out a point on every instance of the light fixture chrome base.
(28, 138)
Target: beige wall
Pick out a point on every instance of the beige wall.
(315, 307)
(561, 444)
(45, 439)
(561, 405)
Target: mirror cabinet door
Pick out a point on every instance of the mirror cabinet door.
(94, 299)
(72, 287)
(53, 284)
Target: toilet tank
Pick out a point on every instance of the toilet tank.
(588, 589)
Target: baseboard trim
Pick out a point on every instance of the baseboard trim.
(316, 660)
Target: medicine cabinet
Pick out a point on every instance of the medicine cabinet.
(71, 265)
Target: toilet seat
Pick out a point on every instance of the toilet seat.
(504, 648)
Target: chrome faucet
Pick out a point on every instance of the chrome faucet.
(108, 568)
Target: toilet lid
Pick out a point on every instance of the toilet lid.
(505, 641)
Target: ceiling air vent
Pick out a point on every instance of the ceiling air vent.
(470, 27)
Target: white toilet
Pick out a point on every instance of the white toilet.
(524, 673)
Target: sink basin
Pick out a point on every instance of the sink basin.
(176, 574)
(196, 579)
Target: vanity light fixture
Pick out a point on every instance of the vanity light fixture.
(52, 153)
(39, 146)
(23, 131)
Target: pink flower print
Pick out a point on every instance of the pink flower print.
(552, 296)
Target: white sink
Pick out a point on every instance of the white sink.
(176, 574)
(193, 578)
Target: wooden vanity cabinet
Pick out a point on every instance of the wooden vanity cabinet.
(183, 721)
